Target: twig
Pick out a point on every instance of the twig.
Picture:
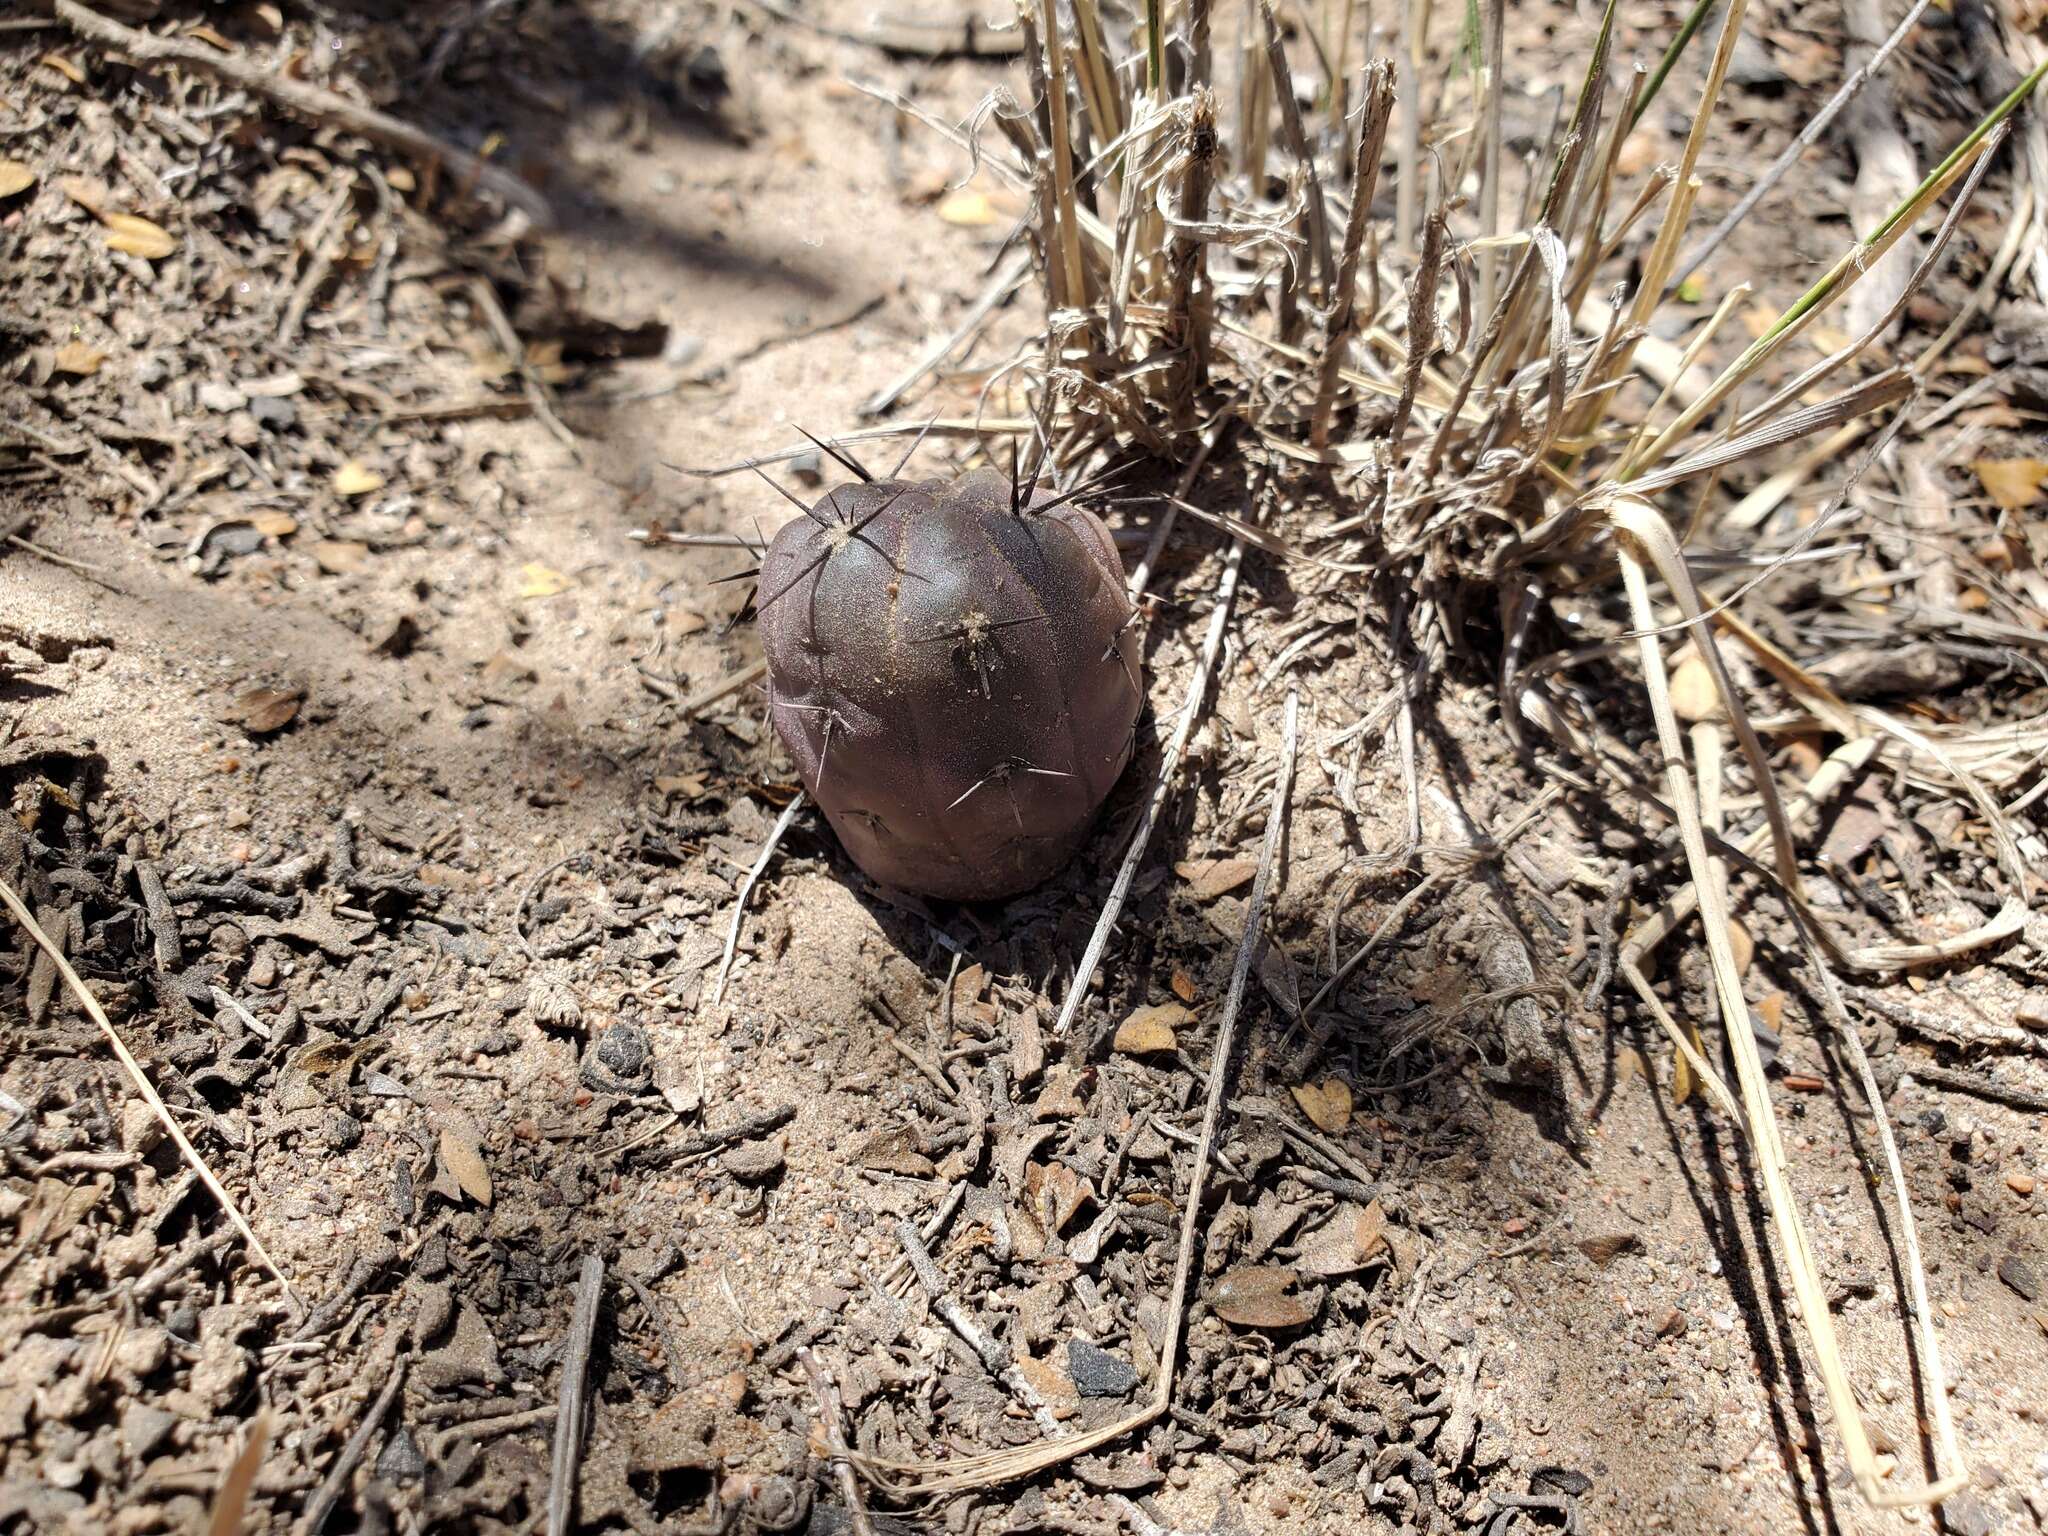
(1708, 243)
(993, 1357)
(1005, 282)
(739, 907)
(1162, 785)
(1983, 1087)
(332, 1486)
(1005, 1466)
(319, 264)
(732, 682)
(568, 1449)
(538, 395)
(310, 101)
(149, 1094)
(83, 567)
(767, 344)
(933, 1226)
(830, 1420)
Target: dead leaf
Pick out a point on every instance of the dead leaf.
(1327, 1104)
(685, 786)
(15, 178)
(1150, 1029)
(1209, 878)
(1742, 944)
(463, 1157)
(64, 67)
(1183, 985)
(89, 194)
(274, 524)
(1065, 1189)
(1256, 1296)
(537, 580)
(1353, 1240)
(206, 34)
(76, 357)
(896, 1152)
(261, 711)
(1693, 694)
(135, 236)
(340, 557)
(1605, 1248)
(356, 479)
(2013, 483)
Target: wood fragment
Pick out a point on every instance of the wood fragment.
(335, 1483)
(1006, 1466)
(309, 101)
(148, 1091)
(831, 1421)
(739, 905)
(567, 1457)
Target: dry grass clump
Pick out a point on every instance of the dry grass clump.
(1470, 395)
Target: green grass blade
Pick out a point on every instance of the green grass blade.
(1696, 19)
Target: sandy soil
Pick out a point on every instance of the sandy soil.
(370, 673)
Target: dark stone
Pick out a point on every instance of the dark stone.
(2021, 1276)
(144, 1429)
(617, 1062)
(402, 1460)
(1965, 1515)
(1098, 1373)
(274, 412)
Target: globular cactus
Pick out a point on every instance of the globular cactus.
(952, 671)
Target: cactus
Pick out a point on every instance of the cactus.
(951, 669)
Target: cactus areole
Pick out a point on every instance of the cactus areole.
(954, 676)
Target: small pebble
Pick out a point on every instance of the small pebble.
(1097, 1372)
(2021, 1276)
(2021, 1184)
(755, 1162)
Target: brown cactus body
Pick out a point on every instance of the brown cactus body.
(952, 677)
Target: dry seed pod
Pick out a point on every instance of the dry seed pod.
(953, 676)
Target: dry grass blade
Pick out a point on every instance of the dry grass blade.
(1842, 276)
(148, 1091)
(309, 101)
(1374, 111)
(1804, 140)
(1760, 1119)
(994, 1467)
(1162, 786)
(739, 905)
(231, 1503)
